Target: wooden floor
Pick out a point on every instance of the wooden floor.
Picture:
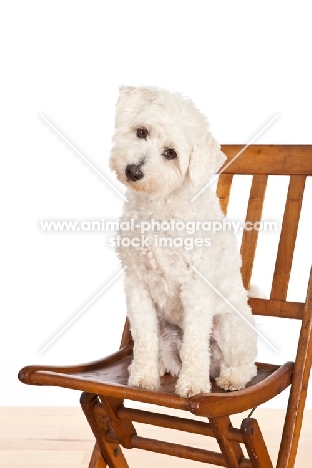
(60, 437)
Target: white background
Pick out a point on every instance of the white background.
(241, 63)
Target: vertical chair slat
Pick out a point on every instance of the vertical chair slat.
(126, 336)
(299, 388)
(223, 190)
(288, 237)
(254, 213)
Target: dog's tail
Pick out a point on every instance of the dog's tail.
(255, 291)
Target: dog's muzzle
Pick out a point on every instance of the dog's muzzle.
(133, 172)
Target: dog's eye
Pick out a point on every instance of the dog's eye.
(142, 133)
(169, 153)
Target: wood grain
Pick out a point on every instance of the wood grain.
(255, 445)
(97, 461)
(254, 214)
(298, 392)
(231, 451)
(277, 308)
(288, 236)
(223, 190)
(100, 425)
(268, 159)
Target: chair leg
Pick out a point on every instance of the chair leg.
(97, 461)
(100, 425)
(255, 445)
(124, 429)
(231, 451)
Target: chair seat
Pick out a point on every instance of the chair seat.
(109, 377)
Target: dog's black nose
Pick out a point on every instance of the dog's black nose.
(133, 172)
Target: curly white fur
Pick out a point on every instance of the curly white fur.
(178, 323)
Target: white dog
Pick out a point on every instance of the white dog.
(164, 153)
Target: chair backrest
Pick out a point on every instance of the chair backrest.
(260, 161)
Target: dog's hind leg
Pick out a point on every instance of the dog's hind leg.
(238, 344)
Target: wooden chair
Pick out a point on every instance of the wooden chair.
(104, 382)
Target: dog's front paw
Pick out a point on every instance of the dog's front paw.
(143, 378)
(187, 387)
(236, 378)
(173, 367)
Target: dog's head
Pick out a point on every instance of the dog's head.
(161, 140)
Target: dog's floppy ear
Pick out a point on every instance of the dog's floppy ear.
(206, 159)
(130, 101)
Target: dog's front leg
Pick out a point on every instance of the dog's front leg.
(144, 369)
(198, 304)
